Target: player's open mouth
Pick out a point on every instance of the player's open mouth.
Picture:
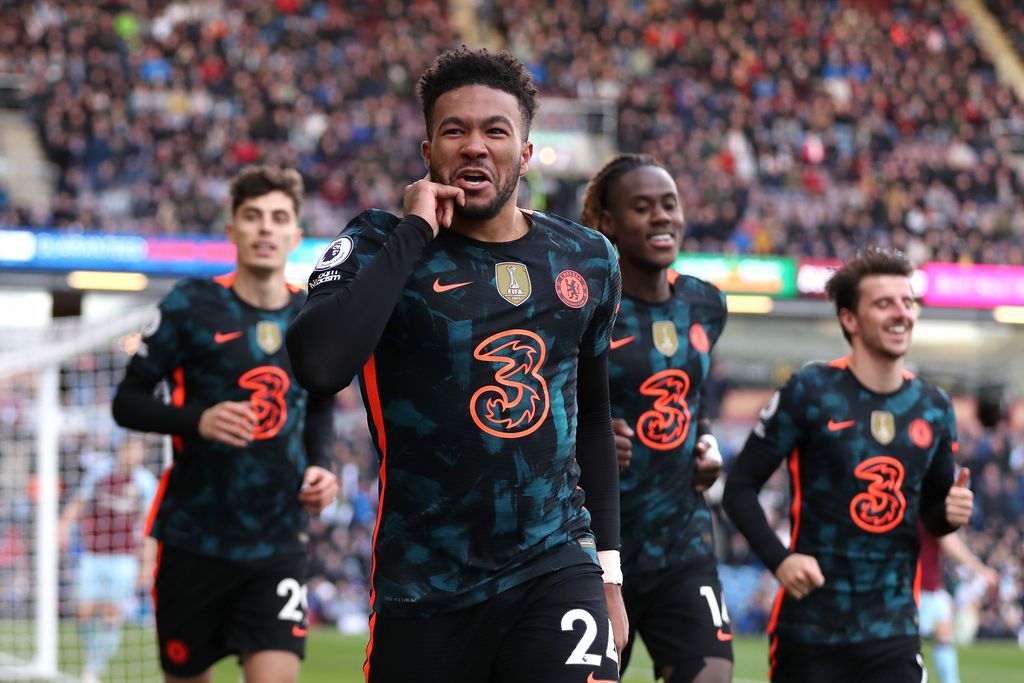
(472, 179)
(662, 239)
(264, 248)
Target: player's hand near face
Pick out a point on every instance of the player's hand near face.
(229, 422)
(799, 575)
(433, 202)
(617, 613)
(623, 443)
(319, 487)
(707, 463)
(959, 500)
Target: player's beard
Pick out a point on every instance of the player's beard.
(494, 207)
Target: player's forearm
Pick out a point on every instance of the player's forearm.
(595, 452)
(937, 481)
(338, 329)
(746, 477)
(135, 407)
(318, 435)
(955, 549)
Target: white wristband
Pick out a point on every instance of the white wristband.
(711, 452)
(611, 565)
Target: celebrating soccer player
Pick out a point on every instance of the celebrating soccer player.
(870, 449)
(480, 335)
(660, 354)
(251, 450)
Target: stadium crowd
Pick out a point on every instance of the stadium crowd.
(797, 127)
(791, 127)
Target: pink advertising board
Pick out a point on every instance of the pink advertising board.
(973, 286)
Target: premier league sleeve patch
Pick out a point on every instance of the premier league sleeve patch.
(336, 253)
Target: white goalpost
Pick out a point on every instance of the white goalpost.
(59, 458)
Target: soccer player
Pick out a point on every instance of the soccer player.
(660, 354)
(109, 508)
(251, 450)
(936, 604)
(480, 335)
(869, 449)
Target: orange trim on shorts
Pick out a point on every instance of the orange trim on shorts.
(178, 400)
(377, 415)
(165, 478)
(773, 645)
(156, 570)
(917, 584)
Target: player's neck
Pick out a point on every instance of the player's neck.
(267, 290)
(507, 226)
(651, 286)
(880, 375)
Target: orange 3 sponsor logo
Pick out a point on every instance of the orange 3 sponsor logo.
(518, 402)
(269, 385)
(665, 426)
(882, 506)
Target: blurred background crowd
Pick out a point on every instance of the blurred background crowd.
(795, 127)
(792, 127)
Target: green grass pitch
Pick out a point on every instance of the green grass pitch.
(334, 658)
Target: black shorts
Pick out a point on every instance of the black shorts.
(208, 608)
(551, 629)
(680, 614)
(893, 660)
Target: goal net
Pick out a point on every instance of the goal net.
(74, 584)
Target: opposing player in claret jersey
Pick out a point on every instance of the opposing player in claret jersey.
(251, 450)
(660, 354)
(870, 449)
(479, 332)
(108, 509)
(936, 604)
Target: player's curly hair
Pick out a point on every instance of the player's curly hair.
(256, 181)
(596, 195)
(464, 66)
(844, 286)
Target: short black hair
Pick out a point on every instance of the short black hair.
(595, 196)
(844, 286)
(463, 66)
(256, 181)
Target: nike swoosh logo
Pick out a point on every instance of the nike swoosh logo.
(222, 337)
(834, 426)
(298, 631)
(591, 679)
(723, 636)
(616, 343)
(441, 289)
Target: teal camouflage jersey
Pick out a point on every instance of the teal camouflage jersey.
(215, 499)
(862, 465)
(471, 400)
(660, 356)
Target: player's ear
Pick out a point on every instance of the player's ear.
(606, 225)
(425, 151)
(524, 161)
(229, 231)
(296, 239)
(848, 320)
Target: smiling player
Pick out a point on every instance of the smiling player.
(870, 449)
